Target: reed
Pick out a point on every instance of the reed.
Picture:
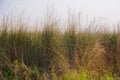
(52, 54)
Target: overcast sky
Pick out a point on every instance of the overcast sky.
(108, 9)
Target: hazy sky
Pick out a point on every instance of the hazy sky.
(109, 9)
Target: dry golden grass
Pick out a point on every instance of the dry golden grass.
(50, 54)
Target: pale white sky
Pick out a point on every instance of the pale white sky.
(107, 9)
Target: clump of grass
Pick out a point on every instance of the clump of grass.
(85, 75)
(50, 56)
(70, 46)
(110, 43)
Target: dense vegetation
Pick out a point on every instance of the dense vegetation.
(52, 54)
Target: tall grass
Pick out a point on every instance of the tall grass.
(50, 54)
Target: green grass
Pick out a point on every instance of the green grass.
(51, 54)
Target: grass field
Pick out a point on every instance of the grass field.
(52, 54)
